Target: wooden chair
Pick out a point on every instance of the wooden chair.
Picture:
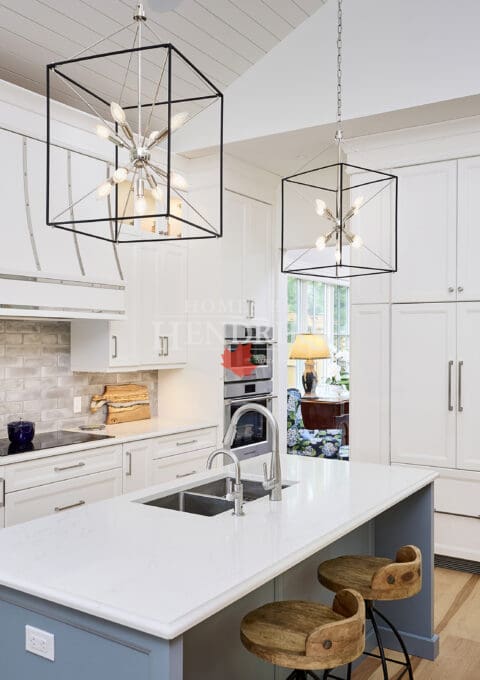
(307, 636)
(378, 578)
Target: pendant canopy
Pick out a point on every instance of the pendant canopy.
(147, 101)
(339, 220)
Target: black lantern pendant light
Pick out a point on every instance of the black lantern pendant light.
(339, 220)
(144, 99)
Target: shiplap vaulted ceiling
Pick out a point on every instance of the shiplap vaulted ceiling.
(222, 37)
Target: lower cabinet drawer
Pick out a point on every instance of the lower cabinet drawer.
(457, 536)
(183, 442)
(458, 493)
(57, 468)
(22, 506)
(178, 467)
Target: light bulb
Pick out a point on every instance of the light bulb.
(157, 193)
(338, 256)
(357, 241)
(178, 120)
(321, 206)
(153, 137)
(358, 202)
(104, 189)
(118, 114)
(321, 242)
(140, 205)
(178, 181)
(120, 175)
(103, 131)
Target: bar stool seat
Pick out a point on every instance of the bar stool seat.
(307, 636)
(375, 578)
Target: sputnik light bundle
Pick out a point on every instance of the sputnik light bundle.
(145, 99)
(339, 220)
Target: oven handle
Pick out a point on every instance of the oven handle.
(246, 400)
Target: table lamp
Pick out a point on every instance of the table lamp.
(309, 346)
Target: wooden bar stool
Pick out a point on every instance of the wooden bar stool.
(378, 578)
(307, 636)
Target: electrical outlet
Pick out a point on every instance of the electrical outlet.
(77, 404)
(40, 642)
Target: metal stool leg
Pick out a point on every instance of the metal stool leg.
(400, 641)
(383, 659)
(349, 671)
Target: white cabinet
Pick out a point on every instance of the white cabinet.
(247, 261)
(2, 497)
(137, 465)
(22, 506)
(179, 466)
(370, 383)
(427, 218)
(468, 381)
(423, 417)
(154, 334)
(161, 302)
(468, 241)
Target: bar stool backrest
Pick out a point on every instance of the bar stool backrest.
(342, 641)
(405, 573)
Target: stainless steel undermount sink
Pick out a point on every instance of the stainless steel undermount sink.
(209, 499)
(196, 504)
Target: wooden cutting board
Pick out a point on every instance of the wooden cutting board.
(125, 403)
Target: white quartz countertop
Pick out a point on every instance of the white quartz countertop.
(162, 571)
(117, 434)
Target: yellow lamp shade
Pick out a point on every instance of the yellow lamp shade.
(310, 346)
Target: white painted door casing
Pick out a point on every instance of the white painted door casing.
(370, 383)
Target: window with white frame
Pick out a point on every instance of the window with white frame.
(319, 307)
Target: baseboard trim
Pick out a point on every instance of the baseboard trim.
(426, 648)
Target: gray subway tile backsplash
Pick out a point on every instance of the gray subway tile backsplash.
(37, 383)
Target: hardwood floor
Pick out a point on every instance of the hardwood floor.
(457, 621)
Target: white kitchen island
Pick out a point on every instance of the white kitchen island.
(136, 591)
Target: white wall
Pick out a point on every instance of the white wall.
(396, 54)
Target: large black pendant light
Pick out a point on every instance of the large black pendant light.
(144, 98)
(339, 220)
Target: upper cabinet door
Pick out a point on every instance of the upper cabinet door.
(468, 243)
(468, 376)
(257, 262)
(423, 384)
(427, 221)
(235, 217)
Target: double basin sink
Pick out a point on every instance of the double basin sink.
(209, 498)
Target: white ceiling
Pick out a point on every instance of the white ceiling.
(223, 38)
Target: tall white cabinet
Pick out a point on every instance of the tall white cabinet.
(415, 362)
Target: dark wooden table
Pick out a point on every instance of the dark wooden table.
(326, 414)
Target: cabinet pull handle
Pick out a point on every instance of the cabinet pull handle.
(249, 309)
(57, 468)
(129, 468)
(451, 289)
(115, 347)
(166, 344)
(161, 352)
(460, 405)
(185, 474)
(61, 508)
(190, 441)
(450, 405)
(460, 289)
(2, 492)
(253, 309)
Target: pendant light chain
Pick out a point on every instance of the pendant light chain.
(339, 133)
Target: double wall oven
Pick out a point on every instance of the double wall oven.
(248, 377)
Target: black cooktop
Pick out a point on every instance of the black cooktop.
(50, 440)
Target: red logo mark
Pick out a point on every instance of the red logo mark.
(239, 361)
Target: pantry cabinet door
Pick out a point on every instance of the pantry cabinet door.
(468, 376)
(427, 219)
(257, 262)
(423, 391)
(468, 242)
